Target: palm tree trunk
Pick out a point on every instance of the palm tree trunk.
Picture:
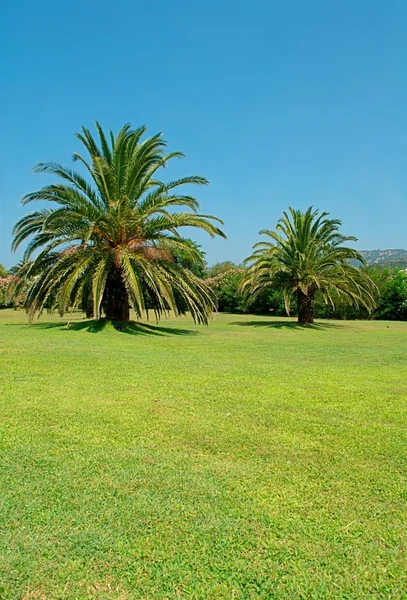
(117, 301)
(89, 308)
(305, 307)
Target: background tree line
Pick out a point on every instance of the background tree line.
(226, 278)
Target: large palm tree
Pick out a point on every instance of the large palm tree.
(108, 241)
(307, 254)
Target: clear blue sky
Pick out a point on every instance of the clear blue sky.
(277, 103)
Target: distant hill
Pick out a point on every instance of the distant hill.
(386, 258)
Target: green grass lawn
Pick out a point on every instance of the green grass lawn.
(248, 459)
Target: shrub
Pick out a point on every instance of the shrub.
(230, 298)
(226, 287)
(220, 268)
(5, 297)
(393, 297)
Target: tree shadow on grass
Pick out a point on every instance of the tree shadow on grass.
(130, 328)
(285, 325)
(90, 325)
(137, 328)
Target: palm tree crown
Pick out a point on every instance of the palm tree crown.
(112, 242)
(306, 254)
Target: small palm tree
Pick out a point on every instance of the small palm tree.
(307, 255)
(109, 240)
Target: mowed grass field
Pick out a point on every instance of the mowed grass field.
(248, 459)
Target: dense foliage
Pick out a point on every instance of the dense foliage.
(393, 302)
(221, 267)
(230, 297)
(4, 295)
(226, 287)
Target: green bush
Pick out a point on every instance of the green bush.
(230, 299)
(226, 287)
(5, 300)
(393, 297)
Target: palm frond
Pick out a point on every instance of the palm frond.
(113, 234)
